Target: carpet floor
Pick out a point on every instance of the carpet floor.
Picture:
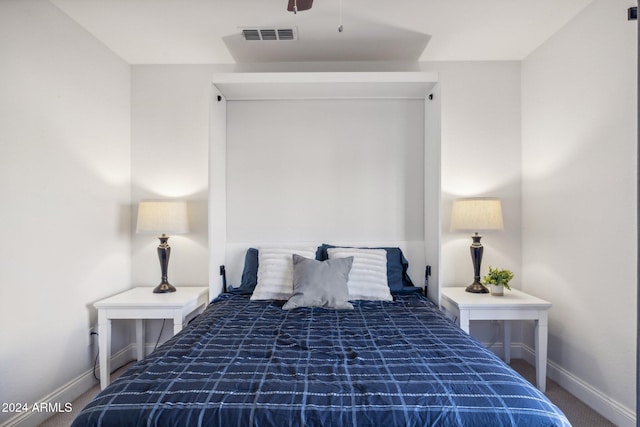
(579, 414)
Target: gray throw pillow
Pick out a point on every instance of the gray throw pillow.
(320, 283)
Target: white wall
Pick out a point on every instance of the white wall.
(480, 157)
(169, 159)
(325, 171)
(579, 200)
(348, 170)
(65, 189)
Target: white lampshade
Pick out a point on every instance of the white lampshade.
(158, 216)
(476, 214)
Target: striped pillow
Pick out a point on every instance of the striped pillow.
(368, 276)
(275, 272)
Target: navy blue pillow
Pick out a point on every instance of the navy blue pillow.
(249, 274)
(397, 277)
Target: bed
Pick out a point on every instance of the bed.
(250, 361)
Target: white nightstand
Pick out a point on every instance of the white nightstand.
(139, 304)
(514, 305)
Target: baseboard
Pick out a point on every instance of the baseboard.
(68, 392)
(609, 408)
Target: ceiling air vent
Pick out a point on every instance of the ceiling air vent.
(286, 34)
(251, 34)
(270, 34)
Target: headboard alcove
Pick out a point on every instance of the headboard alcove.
(324, 157)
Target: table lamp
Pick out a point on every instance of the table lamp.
(159, 216)
(476, 214)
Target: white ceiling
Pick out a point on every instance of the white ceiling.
(208, 31)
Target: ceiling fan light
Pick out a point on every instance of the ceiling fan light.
(299, 5)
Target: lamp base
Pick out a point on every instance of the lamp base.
(477, 288)
(164, 250)
(164, 288)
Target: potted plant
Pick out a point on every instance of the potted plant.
(498, 280)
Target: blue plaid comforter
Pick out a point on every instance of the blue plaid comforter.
(395, 363)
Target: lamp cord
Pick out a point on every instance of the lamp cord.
(95, 361)
(160, 334)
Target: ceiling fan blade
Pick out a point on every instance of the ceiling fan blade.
(302, 5)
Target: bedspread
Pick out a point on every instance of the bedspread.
(385, 363)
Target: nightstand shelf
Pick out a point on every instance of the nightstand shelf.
(514, 305)
(140, 304)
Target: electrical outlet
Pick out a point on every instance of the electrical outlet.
(92, 335)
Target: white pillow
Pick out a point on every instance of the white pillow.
(275, 272)
(368, 275)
